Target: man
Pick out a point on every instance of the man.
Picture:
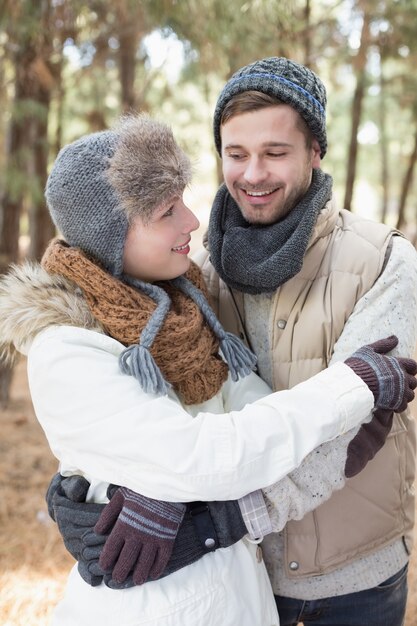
(306, 284)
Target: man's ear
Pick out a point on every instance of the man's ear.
(315, 148)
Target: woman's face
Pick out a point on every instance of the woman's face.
(158, 249)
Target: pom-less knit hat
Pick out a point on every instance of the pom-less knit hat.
(105, 179)
(290, 82)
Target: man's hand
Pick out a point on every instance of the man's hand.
(391, 379)
(369, 439)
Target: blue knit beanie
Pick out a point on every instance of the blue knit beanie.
(290, 82)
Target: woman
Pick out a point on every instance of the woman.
(128, 383)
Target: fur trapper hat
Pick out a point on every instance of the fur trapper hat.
(290, 82)
(100, 182)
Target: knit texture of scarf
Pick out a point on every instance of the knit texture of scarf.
(185, 348)
(258, 259)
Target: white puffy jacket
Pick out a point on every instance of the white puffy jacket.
(101, 424)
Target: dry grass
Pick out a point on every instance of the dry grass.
(33, 562)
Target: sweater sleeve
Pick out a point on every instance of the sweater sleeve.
(309, 485)
(101, 423)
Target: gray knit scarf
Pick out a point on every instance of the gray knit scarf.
(258, 259)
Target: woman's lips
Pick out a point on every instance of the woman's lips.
(184, 249)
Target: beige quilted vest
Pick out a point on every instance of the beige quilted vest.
(344, 259)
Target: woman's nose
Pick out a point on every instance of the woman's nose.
(191, 221)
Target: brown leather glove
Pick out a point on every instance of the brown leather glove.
(369, 439)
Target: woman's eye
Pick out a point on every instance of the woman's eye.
(169, 212)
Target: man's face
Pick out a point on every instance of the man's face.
(267, 166)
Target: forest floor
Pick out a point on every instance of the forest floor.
(33, 561)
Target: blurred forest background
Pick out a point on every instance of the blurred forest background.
(68, 67)
(71, 67)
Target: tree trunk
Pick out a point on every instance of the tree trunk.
(384, 148)
(59, 99)
(32, 80)
(127, 65)
(131, 30)
(307, 31)
(41, 228)
(6, 375)
(406, 185)
(11, 205)
(360, 67)
(12, 199)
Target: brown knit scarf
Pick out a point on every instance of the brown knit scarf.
(185, 349)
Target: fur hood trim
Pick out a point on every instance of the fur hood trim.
(32, 300)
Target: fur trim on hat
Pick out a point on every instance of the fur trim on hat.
(148, 167)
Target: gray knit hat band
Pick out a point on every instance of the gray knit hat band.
(289, 82)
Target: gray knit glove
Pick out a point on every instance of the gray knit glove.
(391, 379)
(75, 519)
(142, 535)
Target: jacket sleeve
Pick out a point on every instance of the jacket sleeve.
(100, 422)
(389, 307)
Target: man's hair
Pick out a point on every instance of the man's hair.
(250, 101)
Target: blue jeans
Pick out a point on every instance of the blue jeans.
(383, 605)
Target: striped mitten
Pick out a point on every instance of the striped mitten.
(391, 379)
(142, 535)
